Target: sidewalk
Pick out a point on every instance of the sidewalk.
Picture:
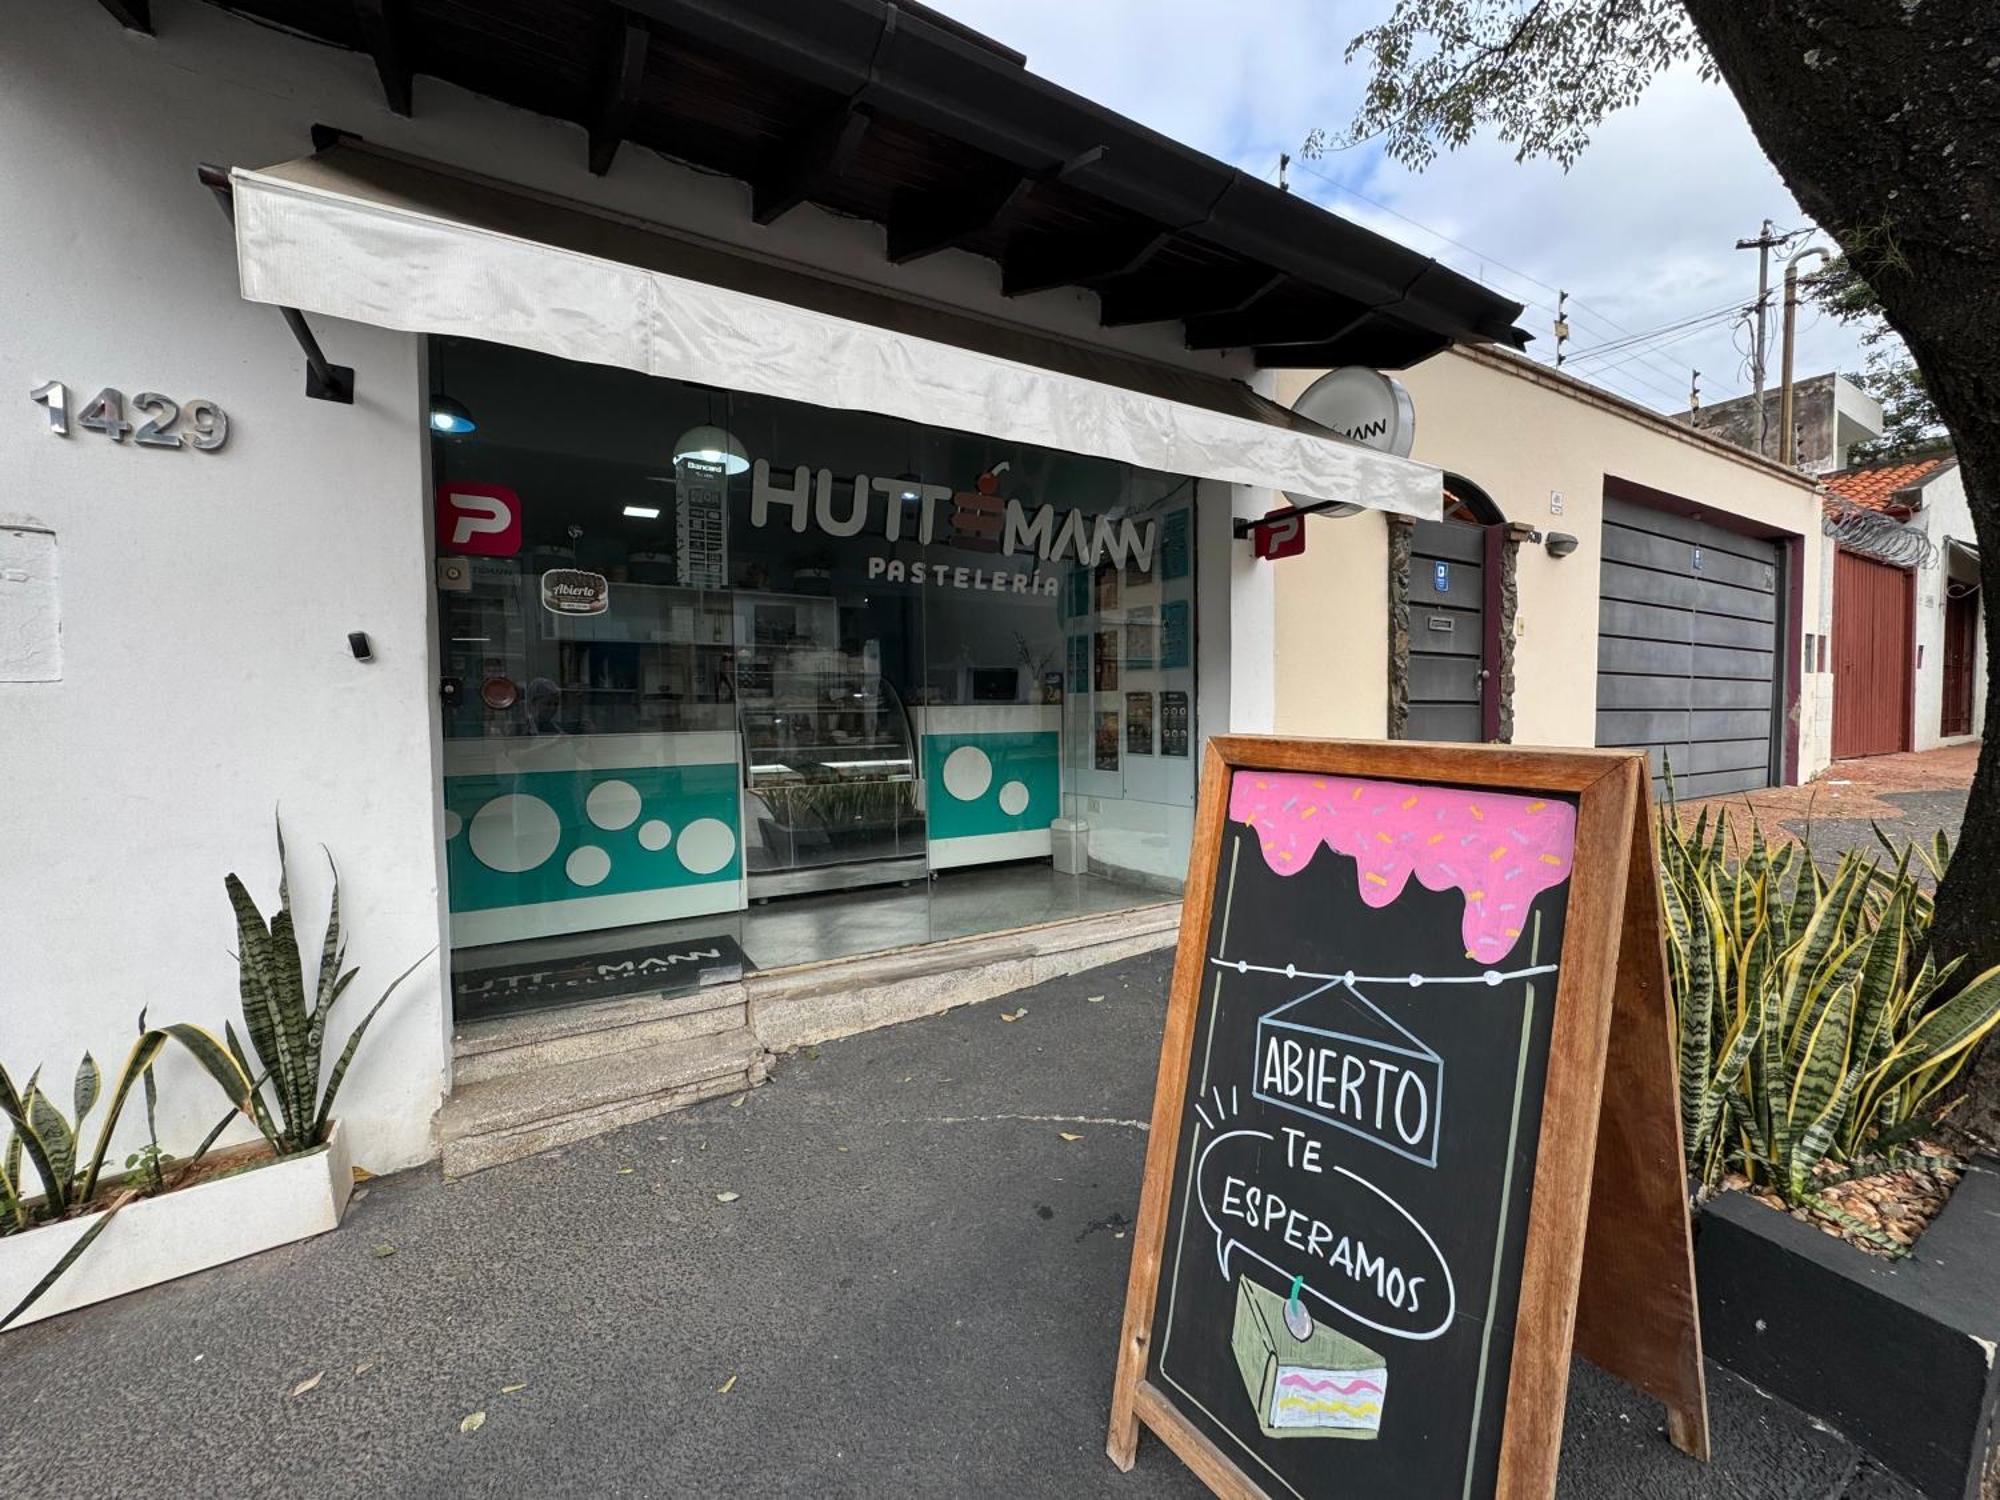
(916, 1293)
(1911, 796)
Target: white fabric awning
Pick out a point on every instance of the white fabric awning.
(359, 233)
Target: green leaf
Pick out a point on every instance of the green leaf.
(15, 1106)
(297, 1082)
(1950, 1030)
(261, 1006)
(1697, 1006)
(144, 1051)
(69, 1258)
(259, 1111)
(347, 1053)
(59, 1137)
(222, 1063)
(85, 1095)
(1822, 1060)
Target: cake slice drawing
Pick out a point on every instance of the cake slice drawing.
(1304, 1379)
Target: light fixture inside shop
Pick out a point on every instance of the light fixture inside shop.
(450, 417)
(712, 445)
(643, 512)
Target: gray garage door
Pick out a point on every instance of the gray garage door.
(1447, 631)
(1687, 655)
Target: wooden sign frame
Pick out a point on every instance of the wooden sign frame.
(1608, 1263)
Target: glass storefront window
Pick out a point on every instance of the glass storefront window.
(814, 681)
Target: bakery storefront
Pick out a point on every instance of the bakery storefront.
(748, 679)
(734, 526)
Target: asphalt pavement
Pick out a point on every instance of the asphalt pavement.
(913, 1289)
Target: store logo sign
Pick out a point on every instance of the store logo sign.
(976, 520)
(482, 519)
(572, 591)
(1282, 533)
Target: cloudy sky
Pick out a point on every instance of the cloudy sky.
(1641, 232)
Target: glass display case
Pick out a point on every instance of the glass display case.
(830, 773)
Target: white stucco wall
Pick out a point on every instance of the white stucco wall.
(206, 598)
(1523, 433)
(1944, 518)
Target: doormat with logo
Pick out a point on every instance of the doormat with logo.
(659, 968)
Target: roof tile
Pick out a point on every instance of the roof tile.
(1874, 488)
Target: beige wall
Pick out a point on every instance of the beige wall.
(1331, 631)
(1522, 433)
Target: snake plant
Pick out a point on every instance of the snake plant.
(1817, 1033)
(287, 1033)
(41, 1137)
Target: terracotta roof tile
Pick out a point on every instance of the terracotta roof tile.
(1873, 488)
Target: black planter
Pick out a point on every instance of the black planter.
(1897, 1355)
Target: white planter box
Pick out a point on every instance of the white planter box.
(176, 1234)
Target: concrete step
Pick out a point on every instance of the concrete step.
(502, 1119)
(486, 1050)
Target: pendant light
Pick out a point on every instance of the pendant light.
(450, 417)
(712, 445)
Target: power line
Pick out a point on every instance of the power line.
(1485, 259)
(1714, 314)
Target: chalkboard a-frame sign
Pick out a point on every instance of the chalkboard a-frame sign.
(1382, 1204)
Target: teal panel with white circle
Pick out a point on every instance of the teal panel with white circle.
(534, 837)
(979, 784)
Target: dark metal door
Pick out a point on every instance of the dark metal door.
(1872, 656)
(1449, 672)
(1687, 649)
(1961, 641)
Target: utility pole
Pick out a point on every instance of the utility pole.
(1763, 244)
(1562, 325)
(1284, 162)
(1787, 432)
(1694, 397)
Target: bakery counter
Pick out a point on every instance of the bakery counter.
(992, 780)
(558, 833)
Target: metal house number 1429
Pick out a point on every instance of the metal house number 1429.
(199, 424)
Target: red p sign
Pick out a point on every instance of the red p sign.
(483, 519)
(1282, 533)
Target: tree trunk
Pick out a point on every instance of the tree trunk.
(1884, 121)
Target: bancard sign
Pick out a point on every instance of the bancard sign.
(572, 591)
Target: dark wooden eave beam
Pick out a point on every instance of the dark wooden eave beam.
(806, 166)
(1271, 327)
(622, 73)
(1135, 302)
(946, 221)
(1040, 268)
(384, 33)
(133, 15)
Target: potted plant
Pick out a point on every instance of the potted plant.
(163, 1218)
(1819, 1040)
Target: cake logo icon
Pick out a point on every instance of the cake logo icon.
(1304, 1379)
(572, 591)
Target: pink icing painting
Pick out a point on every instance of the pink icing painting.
(1500, 850)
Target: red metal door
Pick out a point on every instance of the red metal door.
(1961, 636)
(1873, 626)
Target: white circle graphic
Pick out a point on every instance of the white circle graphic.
(587, 865)
(705, 846)
(613, 805)
(452, 823)
(514, 833)
(653, 834)
(967, 773)
(1013, 799)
